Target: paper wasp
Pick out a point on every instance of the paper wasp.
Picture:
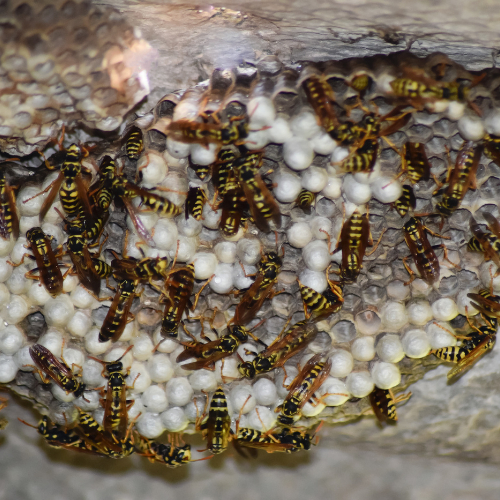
(305, 384)
(406, 201)
(415, 162)
(322, 304)
(116, 319)
(285, 440)
(57, 370)
(487, 304)
(488, 244)
(461, 178)
(254, 297)
(305, 200)
(9, 219)
(216, 426)
(194, 203)
(166, 454)
(263, 206)
(384, 404)
(286, 345)
(134, 143)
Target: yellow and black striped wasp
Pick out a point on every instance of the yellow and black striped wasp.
(56, 370)
(47, 266)
(422, 251)
(117, 317)
(210, 352)
(406, 201)
(9, 219)
(461, 178)
(194, 202)
(415, 162)
(305, 200)
(486, 243)
(202, 171)
(216, 426)
(168, 454)
(487, 304)
(491, 145)
(263, 206)
(262, 288)
(234, 204)
(384, 403)
(286, 345)
(70, 186)
(323, 304)
(115, 420)
(303, 387)
(134, 143)
(285, 440)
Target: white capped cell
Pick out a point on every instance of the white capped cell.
(38, 295)
(333, 188)
(342, 363)
(81, 298)
(226, 370)
(355, 192)
(32, 207)
(282, 382)
(178, 149)
(394, 316)
(471, 127)
(287, 186)
(320, 227)
(16, 249)
(99, 416)
(150, 425)
(225, 252)
(5, 270)
(280, 131)
(136, 409)
(74, 359)
(386, 190)
(128, 332)
(265, 392)
(174, 419)
(154, 399)
(194, 409)
(261, 418)
(416, 344)
(314, 279)
(311, 410)
(363, 348)
(203, 380)
(242, 399)
(222, 282)
(55, 231)
(242, 351)
(204, 265)
(257, 139)
(316, 255)
(18, 283)
(89, 401)
(440, 334)
(305, 125)
(8, 369)
(323, 144)
(143, 347)
(70, 283)
(314, 179)
(189, 227)
(160, 368)
(367, 322)
(210, 217)
(359, 384)
(248, 251)
(147, 219)
(179, 391)
(79, 324)
(333, 392)
(455, 110)
(389, 348)
(397, 290)
(298, 153)
(92, 343)
(186, 249)
(492, 122)
(385, 375)
(4, 295)
(152, 167)
(486, 271)
(92, 374)
(165, 234)
(299, 234)
(26, 223)
(59, 311)
(261, 111)
(203, 155)
(61, 395)
(23, 359)
(464, 304)
(11, 340)
(138, 377)
(166, 345)
(444, 309)
(419, 312)
(16, 310)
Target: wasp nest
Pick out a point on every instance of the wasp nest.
(386, 324)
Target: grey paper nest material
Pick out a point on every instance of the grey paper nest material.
(62, 63)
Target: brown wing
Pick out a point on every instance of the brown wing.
(86, 272)
(139, 226)
(83, 197)
(124, 318)
(48, 363)
(269, 447)
(196, 350)
(13, 210)
(396, 124)
(308, 331)
(479, 351)
(493, 223)
(52, 196)
(494, 306)
(249, 305)
(270, 202)
(124, 268)
(260, 221)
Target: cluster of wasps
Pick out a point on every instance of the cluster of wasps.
(246, 198)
